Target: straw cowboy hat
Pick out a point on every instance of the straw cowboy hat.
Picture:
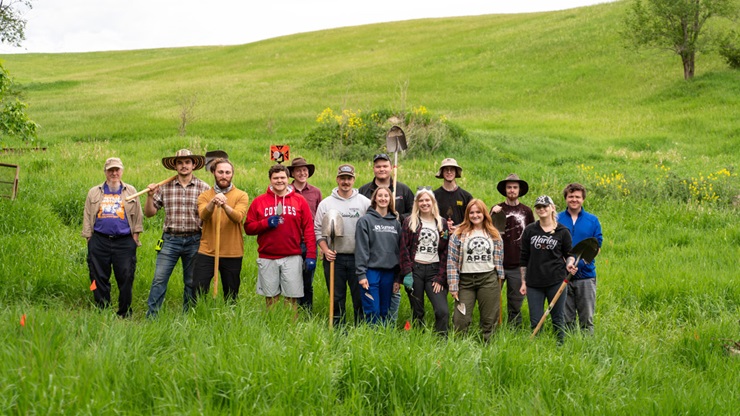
(298, 162)
(171, 162)
(449, 162)
(513, 177)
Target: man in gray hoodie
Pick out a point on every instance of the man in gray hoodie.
(351, 205)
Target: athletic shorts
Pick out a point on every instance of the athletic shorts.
(280, 277)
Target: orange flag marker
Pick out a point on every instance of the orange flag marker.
(407, 327)
(93, 285)
(23, 320)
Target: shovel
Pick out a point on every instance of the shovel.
(395, 140)
(586, 250)
(279, 209)
(218, 247)
(332, 226)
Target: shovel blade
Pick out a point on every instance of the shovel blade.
(332, 224)
(461, 307)
(395, 140)
(499, 221)
(586, 249)
(279, 209)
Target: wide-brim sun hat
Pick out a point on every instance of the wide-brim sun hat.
(298, 162)
(213, 155)
(171, 162)
(451, 163)
(513, 177)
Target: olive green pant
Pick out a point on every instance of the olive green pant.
(484, 288)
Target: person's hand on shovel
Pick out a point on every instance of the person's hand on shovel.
(364, 284)
(571, 266)
(273, 221)
(329, 254)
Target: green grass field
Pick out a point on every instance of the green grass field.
(555, 97)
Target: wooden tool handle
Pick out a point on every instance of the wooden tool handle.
(136, 195)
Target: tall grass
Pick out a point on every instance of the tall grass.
(553, 97)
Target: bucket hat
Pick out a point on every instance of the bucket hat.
(449, 162)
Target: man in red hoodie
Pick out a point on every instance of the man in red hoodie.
(281, 219)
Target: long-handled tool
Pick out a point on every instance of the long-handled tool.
(145, 190)
(218, 247)
(586, 250)
(332, 226)
(395, 140)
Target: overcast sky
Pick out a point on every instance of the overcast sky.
(103, 25)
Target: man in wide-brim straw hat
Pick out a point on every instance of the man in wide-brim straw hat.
(300, 170)
(182, 225)
(518, 216)
(451, 199)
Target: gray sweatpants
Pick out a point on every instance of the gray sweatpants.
(581, 301)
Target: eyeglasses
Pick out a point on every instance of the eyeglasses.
(423, 188)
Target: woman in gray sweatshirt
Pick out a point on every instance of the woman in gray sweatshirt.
(377, 249)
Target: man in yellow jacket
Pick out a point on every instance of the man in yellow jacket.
(222, 209)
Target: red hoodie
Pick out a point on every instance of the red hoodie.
(296, 225)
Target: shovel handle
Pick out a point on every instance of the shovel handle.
(136, 195)
(218, 247)
(549, 308)
(331, 294)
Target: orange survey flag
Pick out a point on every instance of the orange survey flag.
(407, 326)
(93, 286)
(23, 320)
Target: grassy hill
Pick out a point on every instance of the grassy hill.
(555, 97)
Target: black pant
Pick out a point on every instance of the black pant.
(344, 274)
(423, 275)
(229, 267)
(307, 300)
(120, 253)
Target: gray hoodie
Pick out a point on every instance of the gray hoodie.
(351, 209)
(377, 241)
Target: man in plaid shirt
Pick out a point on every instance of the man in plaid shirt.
(182, 225)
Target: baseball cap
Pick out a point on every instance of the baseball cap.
(543, 200)
(346, 170)
(113, 162)
(381, 156)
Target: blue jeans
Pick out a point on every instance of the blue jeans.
(173, 249)
(381, 291)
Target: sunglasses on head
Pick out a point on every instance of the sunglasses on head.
(346, 169)
(423, 188)
(381, 156)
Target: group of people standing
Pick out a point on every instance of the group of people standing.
(432, 242)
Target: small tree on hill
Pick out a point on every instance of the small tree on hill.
(13, 118)
(674, 25)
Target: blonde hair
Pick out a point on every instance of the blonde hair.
(415, 217)
(466, 227)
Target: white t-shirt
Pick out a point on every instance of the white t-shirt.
(477, 253)
(427, 248)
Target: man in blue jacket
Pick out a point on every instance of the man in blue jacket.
(581, 299)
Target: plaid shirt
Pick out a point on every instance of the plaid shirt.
(180, 205)
(454, 260)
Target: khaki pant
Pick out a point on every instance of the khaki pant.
(484, 288)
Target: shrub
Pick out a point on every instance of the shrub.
(729, 48)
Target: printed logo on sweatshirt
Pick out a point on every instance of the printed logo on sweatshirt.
(385, 229)
(543, 242)
(287, 210)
